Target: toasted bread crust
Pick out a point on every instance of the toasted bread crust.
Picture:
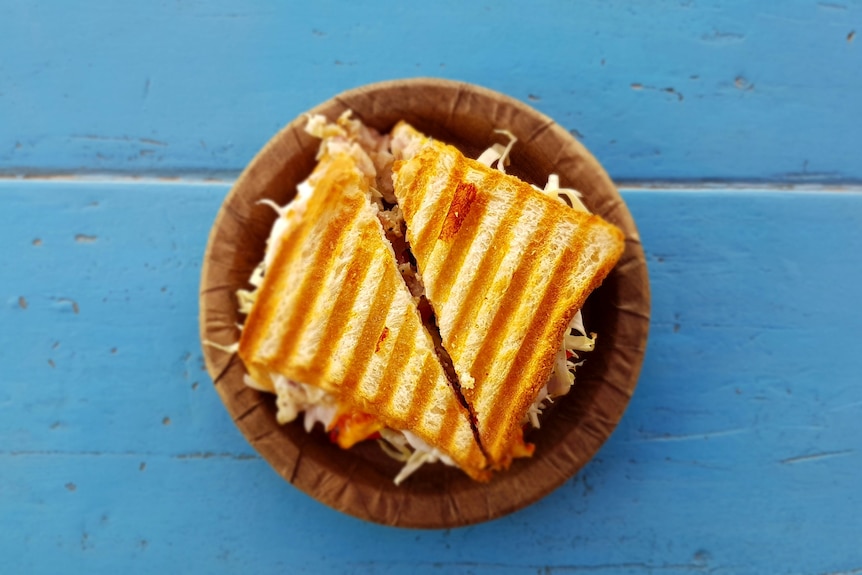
(333, 311)
(506, 268)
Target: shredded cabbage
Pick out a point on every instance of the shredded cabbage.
(535, 410)
(563, 374)
(318, 406)
(553, 189)
(422, 453)
(394, 444)
(246, 299)
(252, 383)
(491, 155)
(293, 397)
(232, 348)
(580, 342)
(498, 152)
(409, 449)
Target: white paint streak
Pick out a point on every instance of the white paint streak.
(693, 436)
(816, 456)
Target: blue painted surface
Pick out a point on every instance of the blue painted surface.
(666, 90)
(741, 451)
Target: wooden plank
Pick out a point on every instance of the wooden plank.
(741, 450)
(674, 89)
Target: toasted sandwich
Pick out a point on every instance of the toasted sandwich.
(506, 268)
(334, 327)
(339, 325)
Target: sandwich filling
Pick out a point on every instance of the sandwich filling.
(374, 154)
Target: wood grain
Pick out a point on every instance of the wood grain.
(665, 90)
(740, 451)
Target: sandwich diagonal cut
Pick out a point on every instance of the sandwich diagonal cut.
(334, 311)
(505, 268)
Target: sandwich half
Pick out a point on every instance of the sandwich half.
(334, 313)
(506, 268)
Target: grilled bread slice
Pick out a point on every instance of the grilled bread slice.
(333, 311)
(505, 268)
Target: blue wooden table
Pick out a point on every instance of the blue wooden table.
(733, 129)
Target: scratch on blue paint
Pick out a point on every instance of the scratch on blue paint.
(851, 405)
(94, 137)
(66, 304)
(853, 571)
(694, 436)
(816, 456)
(668, 90)
(136, 454)
(696, 566)
(832, 6)
(719, 37)
(742, 84)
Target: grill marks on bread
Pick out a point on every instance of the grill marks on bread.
(320, 278)
(504, 279)
(432, 197)
(366, 346)
(345, 302)
(454, 246)
(334, 311)
(489, 263)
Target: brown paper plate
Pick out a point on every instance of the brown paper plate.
(359, 481)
